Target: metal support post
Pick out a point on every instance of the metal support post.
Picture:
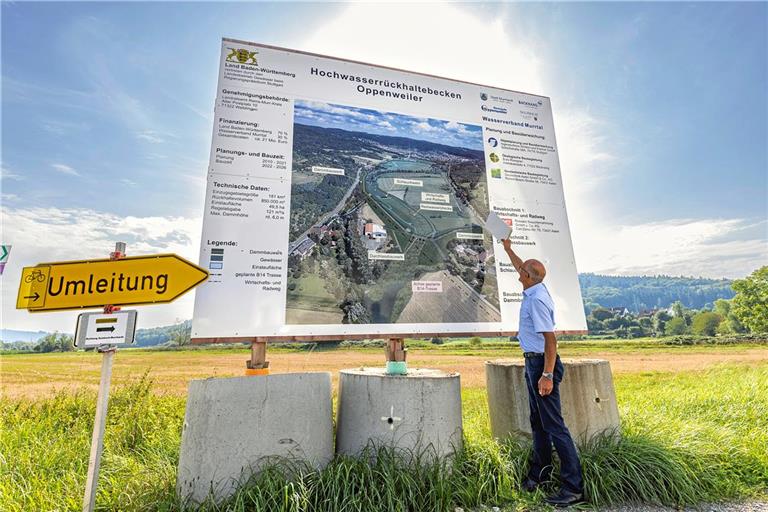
(102, 401)
(97, 440)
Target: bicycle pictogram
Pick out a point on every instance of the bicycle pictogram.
(36, 275)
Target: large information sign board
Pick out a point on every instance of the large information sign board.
(349, 200)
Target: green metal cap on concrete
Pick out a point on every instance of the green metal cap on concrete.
(397, 368)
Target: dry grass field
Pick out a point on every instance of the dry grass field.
(35, 375)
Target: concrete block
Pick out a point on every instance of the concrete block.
(418, 413)
(234, 426)
(587, 396)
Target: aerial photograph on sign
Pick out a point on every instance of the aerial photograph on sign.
(386, 220)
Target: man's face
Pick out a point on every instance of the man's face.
(525, 278)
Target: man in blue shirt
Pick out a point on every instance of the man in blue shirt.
(543, 374)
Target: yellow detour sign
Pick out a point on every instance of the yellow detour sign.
(94, 283)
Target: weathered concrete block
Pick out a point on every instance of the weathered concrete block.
(234, 426)
(419, 412)
(587, 396)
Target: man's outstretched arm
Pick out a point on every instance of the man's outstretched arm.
(516, 261)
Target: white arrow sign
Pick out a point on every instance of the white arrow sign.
(95, 329)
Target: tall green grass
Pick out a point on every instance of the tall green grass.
(44, 448)
(686, 438)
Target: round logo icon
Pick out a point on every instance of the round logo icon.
(494, 157)
(483, 96)
(493, 142)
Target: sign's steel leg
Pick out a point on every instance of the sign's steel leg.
(396, 352)
(257, 364)
(97, 441)
(395, 349)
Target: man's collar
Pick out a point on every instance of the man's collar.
(530, 291)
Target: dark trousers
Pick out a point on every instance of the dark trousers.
(549, 428)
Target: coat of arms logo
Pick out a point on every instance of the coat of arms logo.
(242, 56)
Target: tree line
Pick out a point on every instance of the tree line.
(746, 312)
(639, 293)
(176, 335)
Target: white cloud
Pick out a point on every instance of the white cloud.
(485, 53)
(51, 234)
(422, 127)
(150, 136)
(490, 52)
(61, 128)
(453, 126)
(65, 169)
(340, 110)
(7, 174)
(387, 126)
(698, 247)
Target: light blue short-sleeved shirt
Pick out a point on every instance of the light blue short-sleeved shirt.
(537, 315)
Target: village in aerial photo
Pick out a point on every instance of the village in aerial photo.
(386, 223)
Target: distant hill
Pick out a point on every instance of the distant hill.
(315, 139)
(637, 293)
(157, 335)
(13, 336)
(147, 337)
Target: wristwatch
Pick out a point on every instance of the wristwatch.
(547, 375)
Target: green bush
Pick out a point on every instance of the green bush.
(676, 326)
(705, 323)
(750, 305)
(363, 343)
(733, 339)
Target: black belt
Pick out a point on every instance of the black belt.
(532, 354)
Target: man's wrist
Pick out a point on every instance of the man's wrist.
(547, 375)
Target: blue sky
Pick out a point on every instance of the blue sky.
(329, 115)
(660, 113)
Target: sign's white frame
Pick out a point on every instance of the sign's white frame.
(232, 316)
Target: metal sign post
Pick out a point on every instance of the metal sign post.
(97, 440)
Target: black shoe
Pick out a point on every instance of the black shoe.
(529, 484)
(565, 498)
